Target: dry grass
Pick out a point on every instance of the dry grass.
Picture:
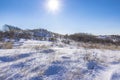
(7, 45)
(99, 46)
(38, 47)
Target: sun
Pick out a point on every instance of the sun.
(53, 5)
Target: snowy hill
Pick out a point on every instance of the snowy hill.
(44, 60)
(114, 38)
(39, 54)
(12, 32)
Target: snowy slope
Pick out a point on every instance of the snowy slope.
(41, 60)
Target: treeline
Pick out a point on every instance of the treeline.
(14, 33)
(89, 38)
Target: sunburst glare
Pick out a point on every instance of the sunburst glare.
(53, 5)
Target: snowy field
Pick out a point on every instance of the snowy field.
(42, 60)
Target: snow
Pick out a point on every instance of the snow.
(44, 60)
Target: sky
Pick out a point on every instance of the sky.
(100, 17)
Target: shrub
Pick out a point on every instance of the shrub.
(66, 41)
(52, 39)
(88, 38)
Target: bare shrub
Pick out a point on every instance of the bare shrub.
(89, 57)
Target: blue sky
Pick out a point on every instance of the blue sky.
(88, 16)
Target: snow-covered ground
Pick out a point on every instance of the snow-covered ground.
(42, 60)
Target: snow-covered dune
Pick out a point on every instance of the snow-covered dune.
(42, 60)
